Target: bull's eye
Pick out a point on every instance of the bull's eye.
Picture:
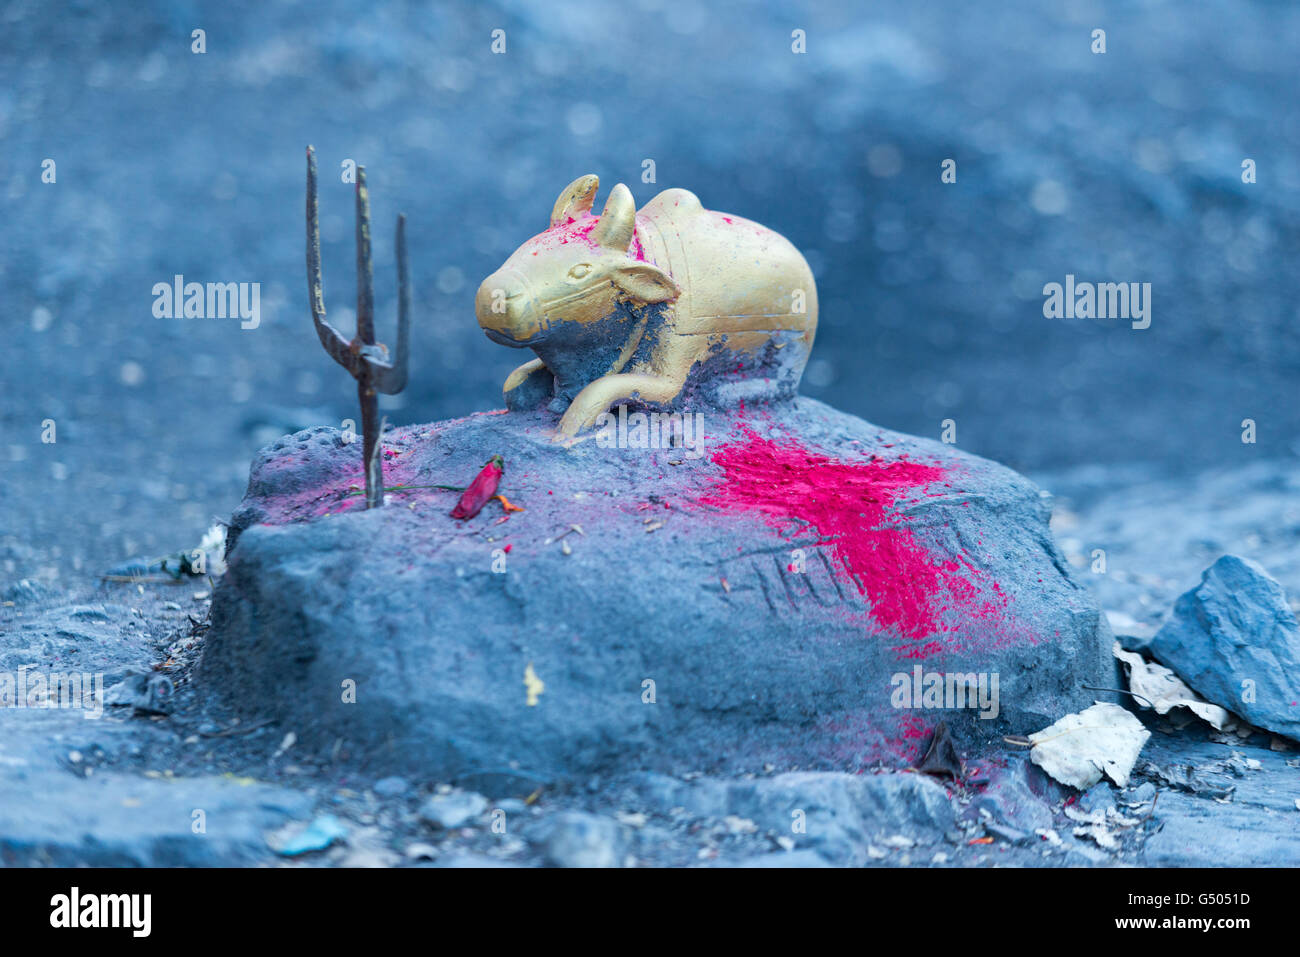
(580, 271)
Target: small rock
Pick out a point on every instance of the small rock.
(453, 810)
(323, 831)
(391, 787)
(583, 840)
(420, 851)
(148, 693)
(784, 860)
(1139, 796)
(471, 860)
(92, 612)
(25, 591)
(1008, 834)
(1099, 797)
(1010, 800)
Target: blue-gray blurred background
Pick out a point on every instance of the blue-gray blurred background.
(1123, 166)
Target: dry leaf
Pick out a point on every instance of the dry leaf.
(1079, 748)
(1165, 690)
(1100, 834)
(941, 758)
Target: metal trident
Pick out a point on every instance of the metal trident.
(366, 360)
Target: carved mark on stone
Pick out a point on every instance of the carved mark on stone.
(783, 572)
(767, 596)
(830, 573)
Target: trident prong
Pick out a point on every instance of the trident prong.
(363, 358)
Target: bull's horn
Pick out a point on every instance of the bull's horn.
(575, 199)
(614, 231)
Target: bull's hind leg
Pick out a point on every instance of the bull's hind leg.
(528, 386)
(598, 396)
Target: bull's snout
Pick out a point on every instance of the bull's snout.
(505, 310)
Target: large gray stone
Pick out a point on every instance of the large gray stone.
(715, 612)
(1236, 642)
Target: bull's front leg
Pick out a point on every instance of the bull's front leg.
(528, 386)
(598, 396)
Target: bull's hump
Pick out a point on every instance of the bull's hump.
(673, 203)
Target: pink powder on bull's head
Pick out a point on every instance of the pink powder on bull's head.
(561, 234)
(579, 231)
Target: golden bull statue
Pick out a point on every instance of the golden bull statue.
(668, 304)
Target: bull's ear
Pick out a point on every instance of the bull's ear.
(614, 231)
(575, 199)
(645, 282)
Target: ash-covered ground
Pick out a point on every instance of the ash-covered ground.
(1117, 167)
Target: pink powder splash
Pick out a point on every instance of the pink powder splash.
(850, 505)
